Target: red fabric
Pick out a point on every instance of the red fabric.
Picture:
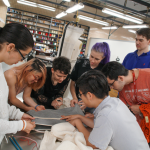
(145, 124)
(143, 91)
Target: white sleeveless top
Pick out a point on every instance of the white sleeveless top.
(7, 111)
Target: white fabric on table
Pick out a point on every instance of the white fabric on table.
(70, 139)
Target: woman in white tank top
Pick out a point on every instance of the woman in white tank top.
(24, 78)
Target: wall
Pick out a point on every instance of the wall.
(3, 11)
(120, 34)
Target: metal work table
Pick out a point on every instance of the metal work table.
(37, 136)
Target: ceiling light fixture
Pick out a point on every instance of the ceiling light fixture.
(75, 8)
(27, 3)
(122, 16)
(67, 0)
(133, 31)
(93, 20)
(62, 14)
(6, 2)
(46, 7)
(35, 5)
(112, 27)
(136, 26)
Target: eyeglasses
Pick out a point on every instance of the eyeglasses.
(23, 58)
(111, 84)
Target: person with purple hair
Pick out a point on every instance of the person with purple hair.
(100, 55)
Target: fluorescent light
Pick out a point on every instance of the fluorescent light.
(121, 15)
(36, 5)
(27, 3)
(93, 20)
(67, 0)
(46, 7)
(113, 27)
(133, 31)
(75, 8)
(136, 26)
(6, 3)
(61, 14)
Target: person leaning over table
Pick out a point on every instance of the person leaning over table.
(15, 43)
(100, 55)
(51, 94)
(113, 124)
(30, 75)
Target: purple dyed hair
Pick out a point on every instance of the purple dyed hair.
(102, 47)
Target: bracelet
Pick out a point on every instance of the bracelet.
(24, 124)
(36, 106)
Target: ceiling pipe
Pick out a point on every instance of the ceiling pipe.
(104, 18)
(130, 9)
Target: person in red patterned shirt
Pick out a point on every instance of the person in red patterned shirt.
(133, 85)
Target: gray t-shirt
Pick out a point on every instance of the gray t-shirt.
(116, 126)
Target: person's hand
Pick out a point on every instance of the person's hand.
(30, 108)
(82, 105)
(73, 102)
(27, 117)
(135, 109)
(40, 107)
(70, 117)
(57, 102)
(89, 115)
(29, 126)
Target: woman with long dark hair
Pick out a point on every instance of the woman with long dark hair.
(15, 43)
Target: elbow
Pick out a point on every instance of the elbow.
(12, 101)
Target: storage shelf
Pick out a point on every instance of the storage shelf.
(42, 27)
(41, 39)
(41, 22)
(12, 21)
(42, 35)
(28, 20)
(42, 31)
(28, 24)
(58, 22)
(40, 43)
(13, 13)
(29, 16)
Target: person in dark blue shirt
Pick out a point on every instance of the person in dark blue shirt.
(141, 57)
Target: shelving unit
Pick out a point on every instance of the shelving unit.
(46, 30)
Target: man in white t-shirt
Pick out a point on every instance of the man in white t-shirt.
(113, 124)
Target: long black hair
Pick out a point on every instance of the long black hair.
(17, 34)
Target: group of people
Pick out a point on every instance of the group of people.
(114, 121)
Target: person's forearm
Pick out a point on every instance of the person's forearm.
(29, 101)
(89, 122)
(86, 133)
(16, 102)
(72, 89)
